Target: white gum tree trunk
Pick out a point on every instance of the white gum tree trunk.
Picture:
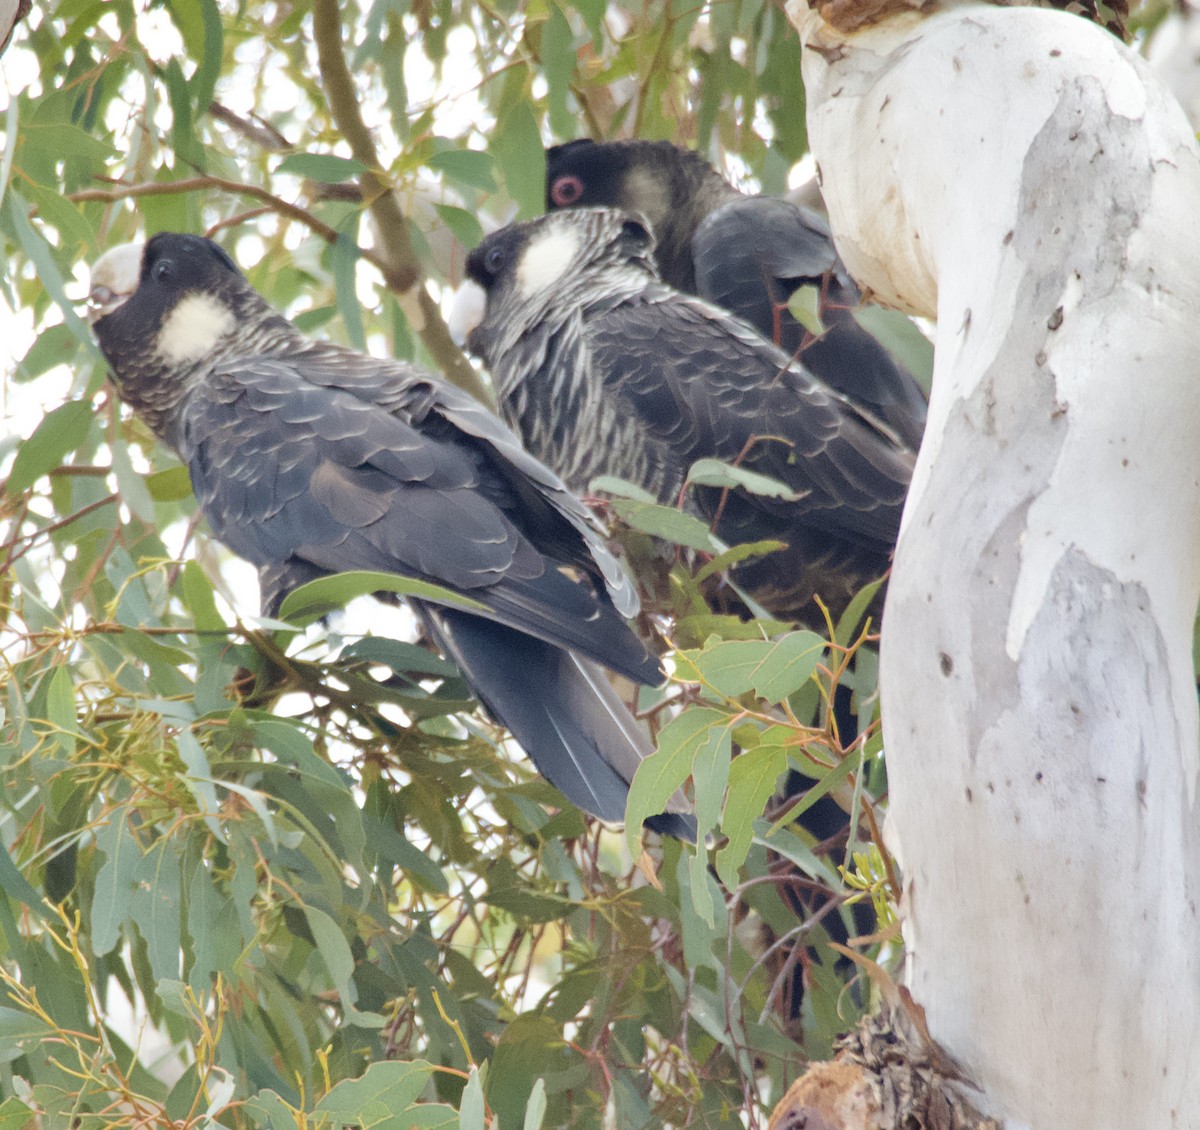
(1020, 175)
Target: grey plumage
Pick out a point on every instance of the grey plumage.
(308, 458)
(600, 367)
(746, 254)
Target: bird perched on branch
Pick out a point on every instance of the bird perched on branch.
(747, 254)
(308, 458)
(603, 369)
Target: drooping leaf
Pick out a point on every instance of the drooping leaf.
(753, 779)
(61, 432)
(470, 1111)
(665, 770)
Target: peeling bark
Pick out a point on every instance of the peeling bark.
(888, 1073)
(1021, 176)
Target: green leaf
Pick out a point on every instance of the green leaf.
(14, 1114)
(471, 167)
(848, 622)
(465, 225)
(383, 1091)
(57, 138)
(199, 780)
(902, 338)
(772, 669)
(344, 261)
(55, 345)
(189, 151)
(805, 306)
(16, 885)
(325, 167)
(558, 67)
(18, 1029)
(61, 432)
(828, 782)
(60, 710)
(114, 881)
(753, 779)
(156, 907)
(517, 147)
(199, 23)
(668, 523)
(535, 1109)
(170, 485)
(710, 774)
(403, 658)
(199, 599)
(665, 770)
(619, 488)
(339, 961)
(716, 473)
(470, 1110)
(737, 554)
(312, 601)
(698, 887)
(131, 485)
(48, 272)
(65, 217)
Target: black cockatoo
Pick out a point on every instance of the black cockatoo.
(308, 458)
(603, 369)
(747, 254)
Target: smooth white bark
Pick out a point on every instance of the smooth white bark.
(1024, 178)
(1175, 55)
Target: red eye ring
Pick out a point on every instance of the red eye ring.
(565, 191)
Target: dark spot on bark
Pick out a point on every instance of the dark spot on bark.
(947, 663)
(970, 795)
(1056, 319)
(1040, 359)
(1008, 237)
(1055, 52)
(1038, 776)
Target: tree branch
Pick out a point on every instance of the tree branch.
(395, 241)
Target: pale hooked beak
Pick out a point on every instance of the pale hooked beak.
(466, 312)
(114, 277)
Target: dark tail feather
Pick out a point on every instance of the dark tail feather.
(560, 708)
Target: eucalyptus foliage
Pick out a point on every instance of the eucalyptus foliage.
(282, 874)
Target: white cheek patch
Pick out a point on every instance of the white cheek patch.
(193, 328)
(547, 257)
(647, 194)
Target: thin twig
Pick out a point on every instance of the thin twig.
(404, 272)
